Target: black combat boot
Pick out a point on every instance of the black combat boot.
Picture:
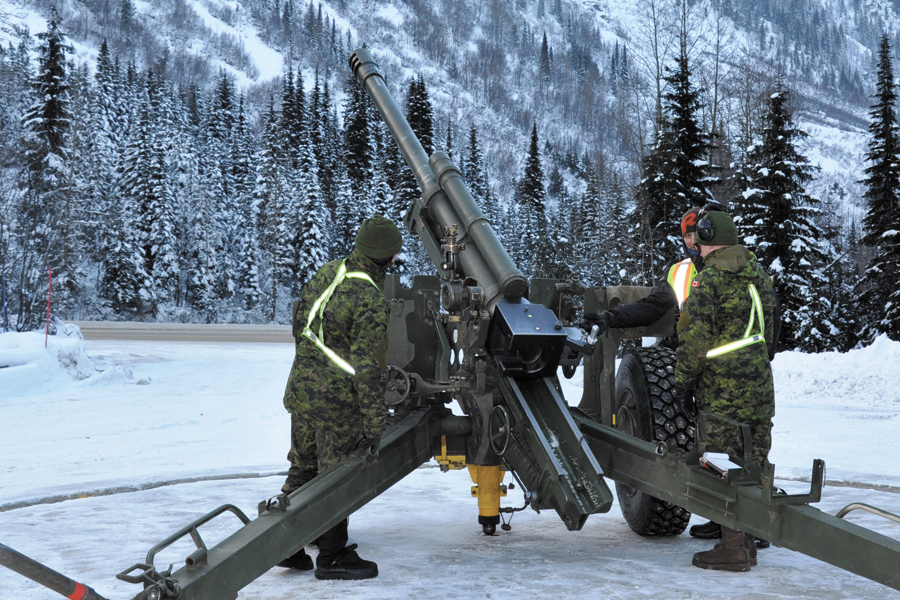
(762, 544)
(707, 531)
(346, 564)
(336, 560)
(299, 560)
(729, 555)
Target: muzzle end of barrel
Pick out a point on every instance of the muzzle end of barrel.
(363, 64)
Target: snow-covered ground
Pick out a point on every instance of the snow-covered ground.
(177, 424)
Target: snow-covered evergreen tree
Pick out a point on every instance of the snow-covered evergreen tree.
(674, 174)
(273, 203)
(104, 147)
(125, 286)
(879, 289)
(145, 185)
(312, 237)
(775, 219)
(48, 234)
(358, 159)
(599, 218)
(533, 248)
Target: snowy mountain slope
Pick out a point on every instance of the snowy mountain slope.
(455, 45)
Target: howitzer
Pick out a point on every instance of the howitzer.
(471, 335)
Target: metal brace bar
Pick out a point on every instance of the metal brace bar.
(861, 506)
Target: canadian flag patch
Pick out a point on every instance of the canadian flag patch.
(695, 284)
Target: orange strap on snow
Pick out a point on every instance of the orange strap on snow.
(79, 592)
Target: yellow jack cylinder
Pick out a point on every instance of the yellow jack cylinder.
(488, 490)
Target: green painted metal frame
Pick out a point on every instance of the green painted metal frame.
(316, 507)
(746, 504)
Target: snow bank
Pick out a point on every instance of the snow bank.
(864, 377)
(26, 365)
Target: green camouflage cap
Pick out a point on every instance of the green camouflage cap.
(721, 227)
(378, 238)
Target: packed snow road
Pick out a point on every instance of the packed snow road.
(164, 412)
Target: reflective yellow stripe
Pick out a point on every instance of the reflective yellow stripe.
(731, 346)
(329, 352)
(318, 309)
(755, 311)
(680, 277)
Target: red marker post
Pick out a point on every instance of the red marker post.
(49, 293)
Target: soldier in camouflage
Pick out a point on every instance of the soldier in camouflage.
(724, 332)
(335, 392)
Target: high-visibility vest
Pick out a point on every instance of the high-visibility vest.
(318, 309)
(680, 277)
(747, 339)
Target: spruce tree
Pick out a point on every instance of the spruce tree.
(674, 174)
(534, 246)
(273, 203)
(597, 228)
(105, 141)
(125, 282)
(420, 115)
(474, 174)
(358, 159)
(312, 237)
(46, 222)
(544, 65)
(879, 289)
(775, 219)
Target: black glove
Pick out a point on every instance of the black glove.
(369, 444)
(601, 320)
(684, 399)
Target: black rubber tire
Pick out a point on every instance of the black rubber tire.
(646, 408)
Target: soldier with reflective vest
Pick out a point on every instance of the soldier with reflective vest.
(671, 291)
(335, 392)
(724, 335)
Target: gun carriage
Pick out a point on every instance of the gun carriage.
(477, 333)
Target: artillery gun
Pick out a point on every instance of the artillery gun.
(477, 334)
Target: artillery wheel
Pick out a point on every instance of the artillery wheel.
(645, 408)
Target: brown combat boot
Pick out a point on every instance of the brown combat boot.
(729, 555)
(750, 545)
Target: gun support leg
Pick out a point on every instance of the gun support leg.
(787, 521)
(487, 489)
(331, 497)
(47, 577)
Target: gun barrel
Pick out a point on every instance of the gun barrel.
(445, 199)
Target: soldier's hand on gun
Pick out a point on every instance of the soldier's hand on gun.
(601, 320)
(685, 400)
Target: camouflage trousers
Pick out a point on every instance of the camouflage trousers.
(722, 436)
(317, 444)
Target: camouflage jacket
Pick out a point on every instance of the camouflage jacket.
(355, 326)
(717, 312)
